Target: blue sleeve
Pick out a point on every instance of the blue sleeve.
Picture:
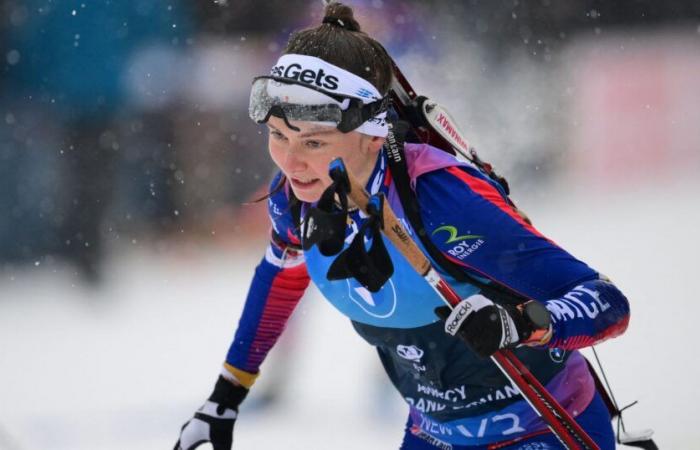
(476, 226)
(277, 286)
(588, 314)
(275, 291)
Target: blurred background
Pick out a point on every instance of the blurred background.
(127, 236)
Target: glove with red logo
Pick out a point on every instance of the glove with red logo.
(487, 327)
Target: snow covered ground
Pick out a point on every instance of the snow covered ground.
(125, 365)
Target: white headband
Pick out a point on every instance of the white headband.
(317, 72)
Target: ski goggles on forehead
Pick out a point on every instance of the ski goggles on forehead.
(290, 100)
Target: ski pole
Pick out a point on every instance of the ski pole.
(564, 427)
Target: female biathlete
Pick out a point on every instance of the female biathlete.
(325, 98)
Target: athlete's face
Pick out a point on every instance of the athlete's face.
(304, 155)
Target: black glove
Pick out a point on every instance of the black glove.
(214, 421)
(487, 327)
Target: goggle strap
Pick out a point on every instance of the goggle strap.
(365, 112)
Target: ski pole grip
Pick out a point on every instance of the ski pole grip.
(393, 229)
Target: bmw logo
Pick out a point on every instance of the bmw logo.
(557, 354)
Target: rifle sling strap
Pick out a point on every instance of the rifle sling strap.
(399, 170)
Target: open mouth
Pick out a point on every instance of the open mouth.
(304, 184)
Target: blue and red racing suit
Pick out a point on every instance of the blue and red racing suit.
(454, 396)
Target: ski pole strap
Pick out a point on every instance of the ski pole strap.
(399, 170)
(324, 224)
(372, 268)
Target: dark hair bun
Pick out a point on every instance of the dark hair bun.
(340, 15)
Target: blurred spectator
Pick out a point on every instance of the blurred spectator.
(68, 62)
(231, 17)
